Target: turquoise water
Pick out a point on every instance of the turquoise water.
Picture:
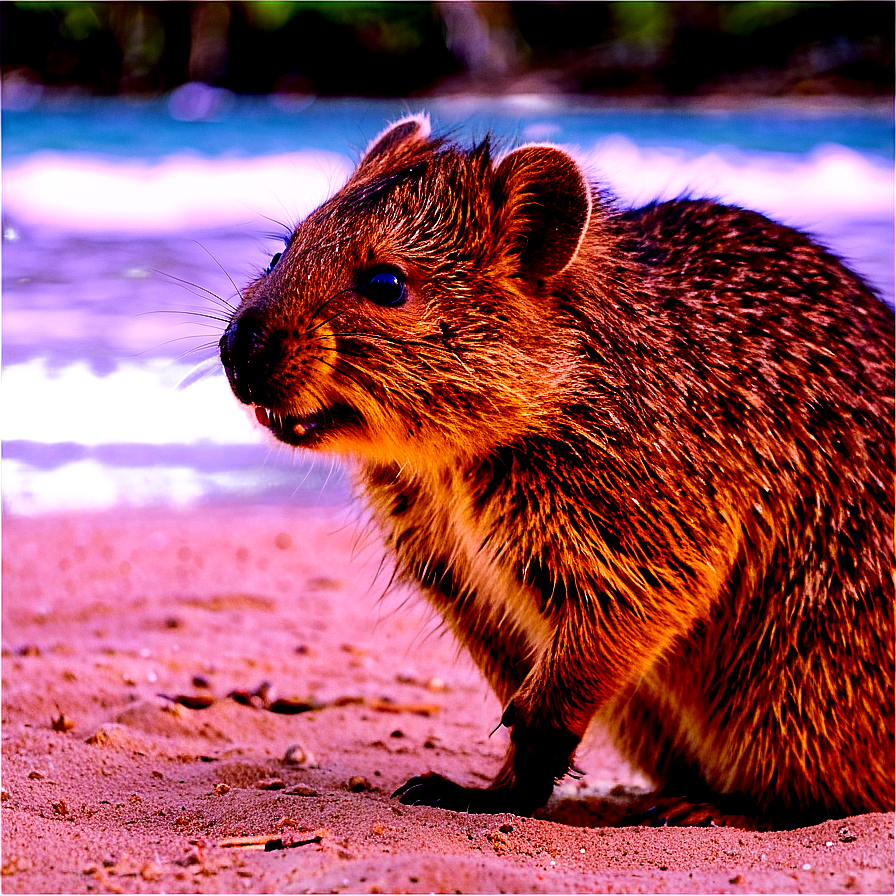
(262, 125)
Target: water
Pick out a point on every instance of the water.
(112, 208)
(255, 126)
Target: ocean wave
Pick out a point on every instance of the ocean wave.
(135, 403)
(88, 194)
(832, 181)
(85, 193)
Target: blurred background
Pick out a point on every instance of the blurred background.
(626, 49)
(155, 155)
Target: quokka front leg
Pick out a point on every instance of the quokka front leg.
(505, 656)
(602, 642)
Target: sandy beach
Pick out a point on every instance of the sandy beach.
(223, 699)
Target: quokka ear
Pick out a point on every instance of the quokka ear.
(542, 204)
(396, 140)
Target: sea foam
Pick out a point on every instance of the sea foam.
(86, 193)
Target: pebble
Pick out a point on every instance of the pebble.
(299, 756)
(151, 871)
(301, 790)
(358, 784)
(270, 784)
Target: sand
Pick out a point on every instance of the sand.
(223, 699)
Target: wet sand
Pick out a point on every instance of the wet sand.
(223, 699)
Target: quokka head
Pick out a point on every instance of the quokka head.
(413, 315)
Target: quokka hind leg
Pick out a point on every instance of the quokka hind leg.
(646, 734)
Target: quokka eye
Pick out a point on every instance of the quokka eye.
(273, 262)
(386, 288)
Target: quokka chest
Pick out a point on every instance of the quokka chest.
(471, 564)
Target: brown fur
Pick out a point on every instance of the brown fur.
(640, 461)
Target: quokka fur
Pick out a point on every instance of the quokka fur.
(640, 461)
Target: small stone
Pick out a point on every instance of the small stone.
(299, 756)
(13, 864)
(151, 871)
(193, 701)
(290, 707)
(63, 723)
(300, 790)
(500, 842)
(270, 784)
(106, 734)
(222, 788)
(359, 784)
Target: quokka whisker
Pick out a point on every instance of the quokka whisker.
(433, 350)
(331, 298)
(206, 346)
(341, 372)
(199, 291)
(346, 348)
(219, 322)
(236, 289)
(210, 347)
(201, 371)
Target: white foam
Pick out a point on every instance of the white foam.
(83, 193)
(831, 181)
(133, 404)
(185, 192)
(90, 485)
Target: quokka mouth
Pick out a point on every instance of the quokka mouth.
(306, 429)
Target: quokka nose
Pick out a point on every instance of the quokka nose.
(246, 357)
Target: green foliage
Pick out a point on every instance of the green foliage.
(745, 18)
(386, 27)
(80, 21)
(642, 21)
(270, 15)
